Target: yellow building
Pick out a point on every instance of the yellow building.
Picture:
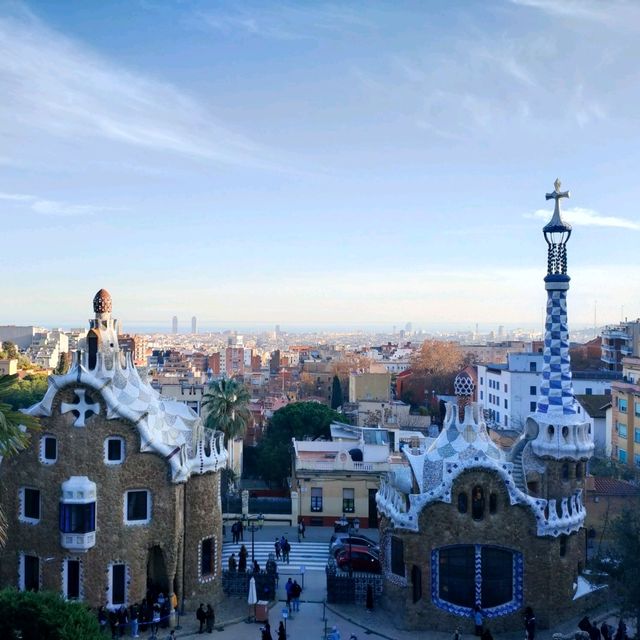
(369, 386)
(625, 399)
(336, 479)
(8, 367)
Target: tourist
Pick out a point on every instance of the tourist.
(123, 619)
(276, 544)
(605, 631)
(301, 530)
(113, 623)
(201, 616)
(621, 631)
(242, 563)
(335, 634)
(134, 614)
(234, 532)
(529, 623)
(286, 550)
(282, 634)
(256, 567)
(266, 632)
(103, 618)
(296, 590)
(288, 588)
(210, 617)
(155, 620)
(457, 635)
(477, 620)
(232, 563)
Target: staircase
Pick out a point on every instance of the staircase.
(518, 473)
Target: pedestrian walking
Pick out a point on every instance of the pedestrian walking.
(286, 550)
(266, 632)
(201, 617)
(242, 562)
(282, 634)
(335, 634)
(477, 620)
(234, 532)
(457, 635)
(276, 545)
(288, 588)
(232, 563)
(155, 621)
(210, 618)
(301, 530)
(529, 623)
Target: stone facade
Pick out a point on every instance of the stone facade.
(155, 539)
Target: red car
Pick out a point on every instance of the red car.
(359, 559)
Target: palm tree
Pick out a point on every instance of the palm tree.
(226, 405)
(13, 436)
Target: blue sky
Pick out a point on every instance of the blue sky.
(318, 163)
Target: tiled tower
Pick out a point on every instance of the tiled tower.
(562, 436)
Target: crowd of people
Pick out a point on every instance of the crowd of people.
(152, 613)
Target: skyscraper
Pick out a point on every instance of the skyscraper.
(174, 325)
(194, 325)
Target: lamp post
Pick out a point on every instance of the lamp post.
(254, 523)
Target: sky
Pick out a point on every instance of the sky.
(312, 163)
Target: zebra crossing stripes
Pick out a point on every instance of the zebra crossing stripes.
(310, 555)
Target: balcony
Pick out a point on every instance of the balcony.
(626, 350)
(338, 464)
(614, 332)
(609, 359)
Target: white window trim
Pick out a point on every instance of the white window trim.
(133, 523)
(22, 517)
(21, 570)
(106, 450)
(209, 577)
(64, 573)
(44, 460)
(127, 581)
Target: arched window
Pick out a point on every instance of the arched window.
(579, 471)
(477, 503)
(565, 471)
(493, 503)
(462, 502)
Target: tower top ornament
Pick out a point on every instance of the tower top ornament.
(557, 223)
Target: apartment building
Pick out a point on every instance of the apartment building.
(625, 401)
(618, 342)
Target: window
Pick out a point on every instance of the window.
(316, 499)
(636, 460)
(470, 575)
(622, 455)
(588, 391)
(532, 406)
(506, 388)
(72, 579)
(416, 583)
(207, 559)
(636, 409)
(114, 450)
(48, 449)
(397, 556)
(481, 380)
(622, 405)
(481, 395)
(579, 471)
(636, 435)
(29, 505)
(462, 502)
(477, 503)
(622, 430)
(533, 366)
(493, 503)
(348, 501)
(533, 390)
(77, 518)
(565, 471)
(563, 545)
(137, 507)
(29, 573)
(506, 403)
(118, 584)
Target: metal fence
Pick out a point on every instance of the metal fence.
(343, 588)
(270, 505)
(236, 583)
(232, 504)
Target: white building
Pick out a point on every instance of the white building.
(508, 392)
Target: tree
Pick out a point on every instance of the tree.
(626, 540)
(297, 420)
(26, 392)
(45, 616)
(63, 364)
(9, 350)
(437, 362)
(226, 407)
(12, 435)
(336, 393)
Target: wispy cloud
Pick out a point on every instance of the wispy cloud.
(51, 84)
(56, 207)
(283, 21)
(587, 218)
(585, 9)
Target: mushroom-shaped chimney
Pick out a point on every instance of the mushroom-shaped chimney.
(102, 302)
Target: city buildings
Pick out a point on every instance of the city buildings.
(625, 401)
(118, 494)
(174, 325)
(495, 520)
(618, 342)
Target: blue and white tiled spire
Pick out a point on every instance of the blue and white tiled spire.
(556, 390)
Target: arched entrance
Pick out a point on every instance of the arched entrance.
(157, 578)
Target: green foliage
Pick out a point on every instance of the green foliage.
(24, 393)
(9, 350)
(226, 407)
(64, 362)
(626, 540)
(45, 616)
(336, 393)
(298, 420)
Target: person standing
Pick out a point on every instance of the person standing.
(301, 530)
(134, 614)
(288, 588)
(282, 634)
(266, 632)
(234, 532)
(276, 545)
(103, 618)
(155, 621)
(296, 590)
(242, 563)
(201, 617)
(123, 619)
(286, 549)
(477, 620)
(529, 623)
(232, 563)
(457, 635)
(210, 617)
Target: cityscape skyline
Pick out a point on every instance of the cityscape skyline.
(308, 164)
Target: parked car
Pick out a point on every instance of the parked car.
(365, 540)
(359, 559)
(355, 541)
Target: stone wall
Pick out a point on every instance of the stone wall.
(547, 577)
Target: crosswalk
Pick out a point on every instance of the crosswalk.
(310, 555)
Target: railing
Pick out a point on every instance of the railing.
(338, 465)
(270, 505)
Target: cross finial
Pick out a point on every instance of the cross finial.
(557, 194)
